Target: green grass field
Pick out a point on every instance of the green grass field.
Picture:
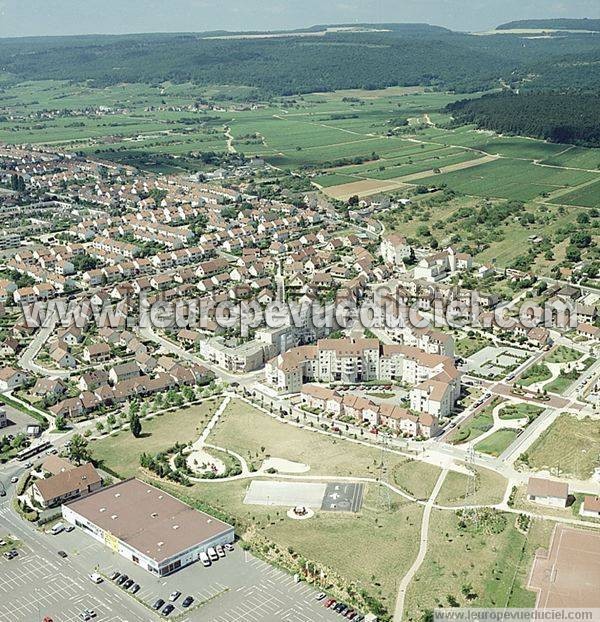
(520, 411)
(121, 452)
(473, 567)
(458, 489)
(569, 446)
(536, 373)
(497, 442)
(562, 354)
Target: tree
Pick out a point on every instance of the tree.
(61, 422)
(135, 425)
(78, 450)
(572, 253)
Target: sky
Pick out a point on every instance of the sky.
(70, 17)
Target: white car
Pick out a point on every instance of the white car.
(14, 479)
(205, 559)
(95, 578)
(58, 528)
(214, 556)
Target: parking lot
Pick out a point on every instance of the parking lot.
(32, 587)
(17, 421)
(492, 362)
(237, 587)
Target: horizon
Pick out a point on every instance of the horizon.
(34, 18)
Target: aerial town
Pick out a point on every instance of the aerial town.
(274, 387)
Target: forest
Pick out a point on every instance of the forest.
(552, 24)
(402, 55)
(557, 117)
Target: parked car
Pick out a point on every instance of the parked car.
(188, 600)
(229, 547)
(122, 579)
(174, 596)
(220, 551)
(167, 609)
(329, 603)
(128, 584)
(14, 479)
(58, 528)
(69, 528)
(62, 554)
(115, 575)
(134, 589)
(214, 556)
(320, 596)
(158, 604)
(95, 578)
(205, 559)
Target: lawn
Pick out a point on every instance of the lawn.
(257, 436)
(536, 373)
(475, 566)
(468, 346)
(562, 382)
(563, 354)
(570, 446)
(488, 488)
(475, 426)
(497, 442)
(520, 411)
(120, 451)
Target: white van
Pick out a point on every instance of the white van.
(58, 528)
(214, 556)
(205, 559)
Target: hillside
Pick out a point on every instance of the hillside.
(552, 24)
(393, 55)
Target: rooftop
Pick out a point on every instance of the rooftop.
(147, 519)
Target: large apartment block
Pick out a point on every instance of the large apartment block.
(434, 377)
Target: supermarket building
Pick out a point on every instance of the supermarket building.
(147, 526)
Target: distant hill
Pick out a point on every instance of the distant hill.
(320, 58)
(552, 24)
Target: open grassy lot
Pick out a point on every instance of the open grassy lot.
(256, 436)
(520, 411)
(497, 442)
(570, 446)
(562, 354)
(415, 477)
(120, 451)
(488, 488)
(475, 566)
(371, 549)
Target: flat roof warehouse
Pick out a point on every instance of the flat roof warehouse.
(148, 525)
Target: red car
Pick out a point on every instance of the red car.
(329, 603)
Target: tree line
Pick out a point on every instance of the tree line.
(572, 118)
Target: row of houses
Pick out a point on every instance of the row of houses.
(392, 416)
